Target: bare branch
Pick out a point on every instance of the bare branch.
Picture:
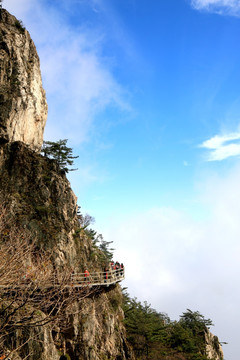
(32, 293)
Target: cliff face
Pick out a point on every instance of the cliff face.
(213, 347)
(98, 330)
(38, 197)
(22, 99)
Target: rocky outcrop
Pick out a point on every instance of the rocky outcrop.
(22, 99)
(98, 330)
(213, 348)
(39, 197)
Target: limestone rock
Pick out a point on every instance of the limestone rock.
(23, 106)
(213, 348)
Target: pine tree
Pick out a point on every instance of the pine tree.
(60, 152)
(104, 247)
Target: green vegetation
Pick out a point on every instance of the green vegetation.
(60, 152)
(115, 301)
(153, 336)
(105, 254)
(19, 25)
(64, 357)
(104, 246)
(43, 210)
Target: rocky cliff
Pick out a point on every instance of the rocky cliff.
(38, 196)
(213, 347)
(22, 99)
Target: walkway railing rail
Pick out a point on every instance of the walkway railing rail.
(104, 278)
(98, 278)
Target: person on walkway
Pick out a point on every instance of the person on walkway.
(105, 274)
(122, 269)
(117, 265)
(86, 275)
(110, 269)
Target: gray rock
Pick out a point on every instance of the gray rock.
(23, 106)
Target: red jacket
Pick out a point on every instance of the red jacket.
(86, 273)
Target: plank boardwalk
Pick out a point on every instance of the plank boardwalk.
(97, 279)
(79, 280)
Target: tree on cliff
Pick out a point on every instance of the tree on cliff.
(153, 335)
(60, 152)
(195, 321)
(97, 239)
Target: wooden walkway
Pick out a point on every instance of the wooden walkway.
(97, 279)
(76, 280)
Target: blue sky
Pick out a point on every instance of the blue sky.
(147, 92)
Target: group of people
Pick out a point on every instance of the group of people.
(113, 270)
(117, 266)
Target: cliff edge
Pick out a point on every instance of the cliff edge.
(22, 98)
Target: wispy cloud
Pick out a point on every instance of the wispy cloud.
(192, 261)
(17, 8)
(223, 7)
(222, 146)
(79, 80)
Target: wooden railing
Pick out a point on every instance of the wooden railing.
(77, 280)
(103, 278)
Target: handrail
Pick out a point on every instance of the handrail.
(98, 278)
(103, 278)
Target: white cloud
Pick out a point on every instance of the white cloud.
(224, 7)
(175, 262)
(224, 152)
(222, 146)
(218, 141)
